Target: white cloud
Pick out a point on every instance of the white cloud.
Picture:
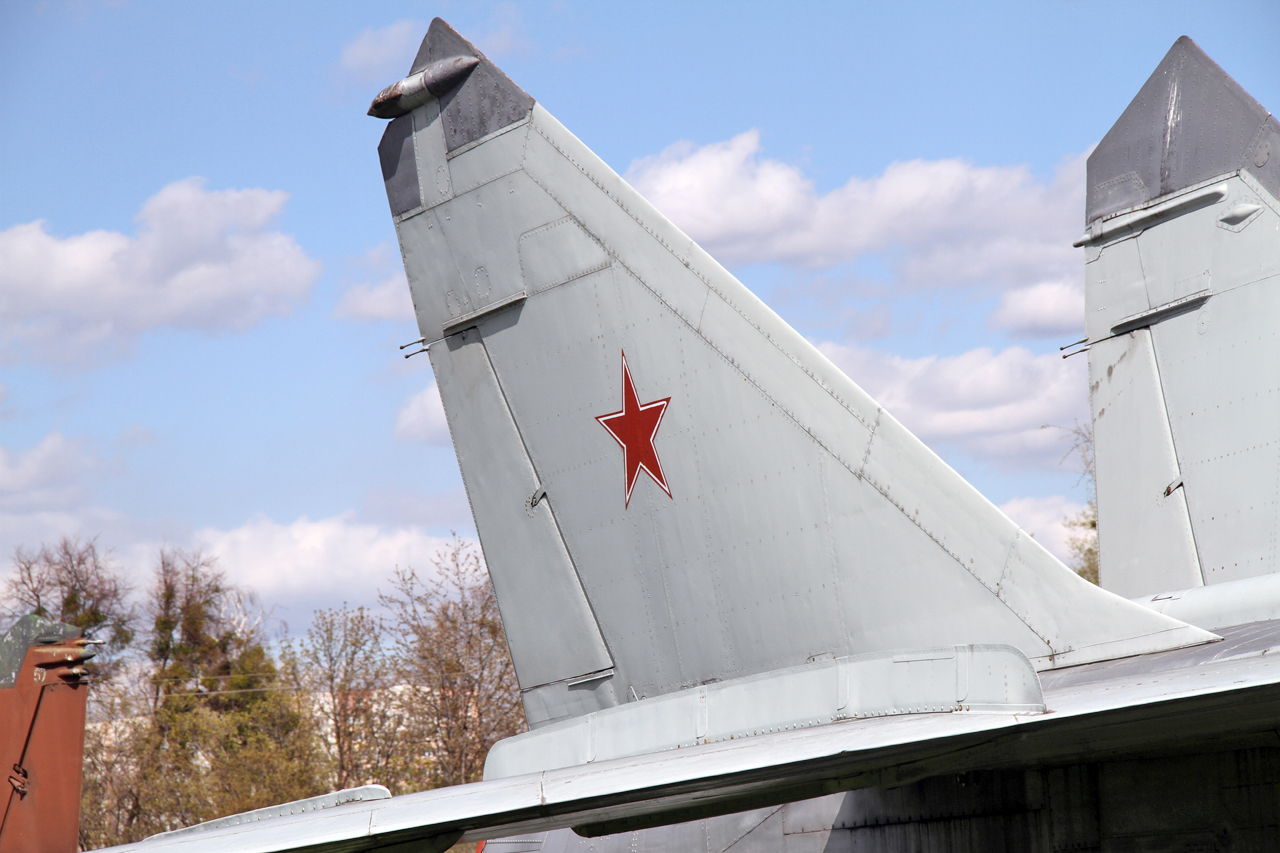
(49, 477)
(1044, 518)
(448, 509)
(311, 561)
(950, 221)
(384, 300)
(295, 566)
(382, 56)
(990, 404)
(421, 418)
(1047, 309)
(200, 260)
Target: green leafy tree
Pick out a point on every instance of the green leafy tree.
(209, 728)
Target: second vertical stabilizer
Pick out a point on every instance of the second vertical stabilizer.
(1182, 273)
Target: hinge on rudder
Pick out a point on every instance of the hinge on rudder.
(19, 780)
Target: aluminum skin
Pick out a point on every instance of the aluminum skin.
(1182, 263)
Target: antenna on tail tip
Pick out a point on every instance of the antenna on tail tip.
(431, 82)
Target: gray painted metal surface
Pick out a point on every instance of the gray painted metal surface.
(1219, 605)
(1216, 801)
(1184, 359)
(550, 628)
(1146, 539)
(362, 794)
(782, 515)
(990, 679)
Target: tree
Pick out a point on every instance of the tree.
(200, 719)
(209, 728)
(451, 645)
(344, 668)
(206, 636)
(1083, 541)
(74, 582)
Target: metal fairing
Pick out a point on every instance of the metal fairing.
(795, 517)
(1184, 357)
(991, 679)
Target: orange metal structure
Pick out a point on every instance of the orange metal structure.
(42, 716)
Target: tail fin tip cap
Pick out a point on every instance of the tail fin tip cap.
(1190, 122)
(433, 81)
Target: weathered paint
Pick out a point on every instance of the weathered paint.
(42, 718)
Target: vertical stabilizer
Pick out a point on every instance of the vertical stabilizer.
(1182, 254)
(42, 715)
(671, 486)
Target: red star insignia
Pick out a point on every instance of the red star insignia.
(634, 429)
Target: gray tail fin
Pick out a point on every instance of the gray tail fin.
(1181, 262)
(671, 486)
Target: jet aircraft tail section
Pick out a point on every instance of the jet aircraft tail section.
(672, 487)
(1182, 262)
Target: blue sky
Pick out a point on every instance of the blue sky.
(199, 302)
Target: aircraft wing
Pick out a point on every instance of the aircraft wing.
(1205, 693)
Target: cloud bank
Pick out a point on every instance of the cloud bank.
(328, 559)
(957, 222)
(942, 224)
(384, 300)
(421, 418)
(988, 404)
(48, 477)
(201, 259)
